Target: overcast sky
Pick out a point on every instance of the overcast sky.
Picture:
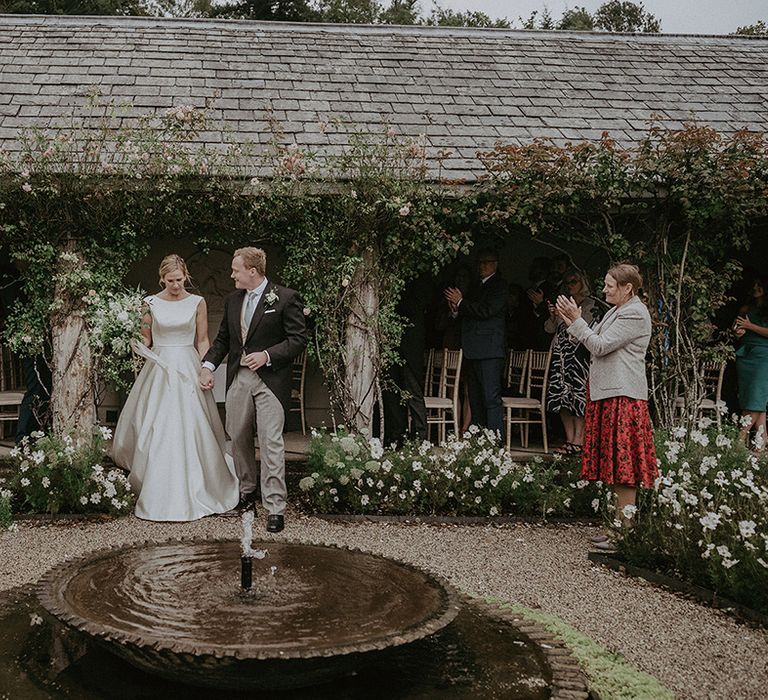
(677, 16)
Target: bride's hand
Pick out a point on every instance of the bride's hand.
(206, 379)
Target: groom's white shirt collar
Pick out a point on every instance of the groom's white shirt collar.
(259, 290)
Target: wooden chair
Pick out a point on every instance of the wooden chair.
(532, 407)
(515, 376)
(517, 363)
(11, 388)
(298, 380)
(429, 364)
(711, 374)
(442, 402)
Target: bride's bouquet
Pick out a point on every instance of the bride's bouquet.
(114, 323)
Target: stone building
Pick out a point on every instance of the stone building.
(461, 89)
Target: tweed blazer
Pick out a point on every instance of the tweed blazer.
(618, 345)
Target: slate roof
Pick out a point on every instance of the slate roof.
(466, 89)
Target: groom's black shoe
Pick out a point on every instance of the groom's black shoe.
(275, 523)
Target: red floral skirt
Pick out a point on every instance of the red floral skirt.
(618, 442)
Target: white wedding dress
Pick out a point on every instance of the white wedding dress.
(169, 434)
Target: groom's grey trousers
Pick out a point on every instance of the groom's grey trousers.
(250, 403)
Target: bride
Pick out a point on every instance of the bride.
(169, 434)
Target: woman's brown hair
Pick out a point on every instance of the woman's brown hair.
(625, 273)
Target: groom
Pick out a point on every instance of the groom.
(261, 333)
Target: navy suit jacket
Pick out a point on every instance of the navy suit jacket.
(483, 313)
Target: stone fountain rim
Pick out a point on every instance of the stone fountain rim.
(50, 601)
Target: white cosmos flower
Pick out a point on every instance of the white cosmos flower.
(629, 511)
(723, 551)
(722, 441)
(747, 528)
(700, 438)
(710, 521)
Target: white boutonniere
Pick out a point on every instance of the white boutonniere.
(271, 297)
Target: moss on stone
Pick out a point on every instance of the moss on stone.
(609, 675)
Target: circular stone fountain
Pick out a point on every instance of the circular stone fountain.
(313, 613)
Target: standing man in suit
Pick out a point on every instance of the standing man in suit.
(482, 315)
(261, 333)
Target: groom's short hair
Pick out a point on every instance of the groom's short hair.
(253, 257)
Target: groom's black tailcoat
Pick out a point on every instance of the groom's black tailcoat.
(277, 327)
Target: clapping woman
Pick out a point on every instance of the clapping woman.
(618, 438)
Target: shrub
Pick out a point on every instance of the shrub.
(56, 474)
(468, 476)
(706, 520)
(6, 514)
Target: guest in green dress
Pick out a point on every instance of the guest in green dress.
(752, 362)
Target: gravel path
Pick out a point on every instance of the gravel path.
(698, 652)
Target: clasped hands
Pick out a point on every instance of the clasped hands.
(253, 361)
(453, 296)
(567, 309)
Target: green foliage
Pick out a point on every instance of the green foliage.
(577, 19)
(707, 520)
(80, 206)
(471, 476)
(758, 28)
(63, 475)
(612, 16)
(74, 7)
(350, 11)
(268, 10)
(539, 20)
(624, 16)
(340, 219)
(445, 17)
(678, 205)
(401, 12)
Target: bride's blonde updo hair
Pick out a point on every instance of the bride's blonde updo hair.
(624, 273)
(173, 263)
